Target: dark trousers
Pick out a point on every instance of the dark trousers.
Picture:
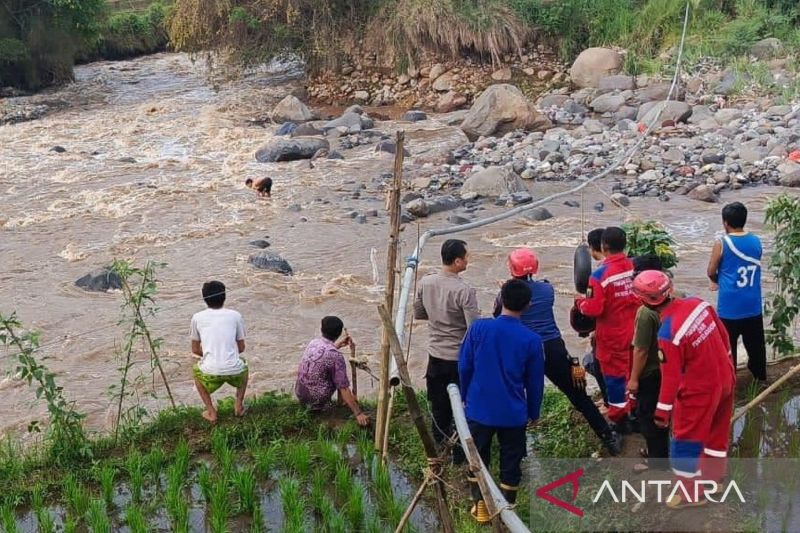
(657, 438)
(558, 369)
(513, 448)
(592, 366)
(439, 374)
(752, 332)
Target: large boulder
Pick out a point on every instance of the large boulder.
(449, 102)
(607, 103)
(350, 122)
(100, 280)
(493, 181)
(791, 180)
(660, 91)
(291, 109)
(704, 193)
(283, 149)
(675, 111)
(500, 109)
(767, 49)
(271, 262)
(593, 64)
(306, 130)
(618, 82)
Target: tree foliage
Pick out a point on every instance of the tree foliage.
(650, 238)
(783, 217)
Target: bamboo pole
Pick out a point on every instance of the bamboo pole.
(434, 462)
(381, 423)
(766, 392)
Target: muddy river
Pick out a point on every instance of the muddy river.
(156, 156)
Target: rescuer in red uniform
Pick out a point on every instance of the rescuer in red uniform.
(697, 385)
(610, 300)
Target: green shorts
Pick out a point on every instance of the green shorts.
(211, 383)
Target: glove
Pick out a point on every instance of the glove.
(661, 418)
(578, 374)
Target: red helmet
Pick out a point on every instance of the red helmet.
(652, 287)
(523, 262)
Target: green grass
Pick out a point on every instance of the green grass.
(136, 520)
(105, 477)
(7, 518)
(245, 482)
(293, 505)
(97, 517)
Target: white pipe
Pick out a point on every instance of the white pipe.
(508, 516)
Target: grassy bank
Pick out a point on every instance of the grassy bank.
(130, 30)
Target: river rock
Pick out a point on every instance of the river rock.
(306, 130)
(457, 219)
(607, 103)
(493, 182)
(390, 147)
(361, 96)
(729, 81)
(503, 74)
(443, 203)
(418, 208)
(617, 83)
(291, 109)
(660, 91)
(538, 214)
(593, 126)
(500, 109)
(282, 149)
(779, 110)
(620, 199)
(101, 280)
(519, 198)
(436, 70)
(351, 122)
(414, 116)
(675, 111)
(443, 83)
(271, 262)
(769, 48)
(58, 149)
(553, 100)
(704, 193)
(449, 102)
(593, 64)
(287, 128)
(727, 115)
(791, 180)
(260, 243)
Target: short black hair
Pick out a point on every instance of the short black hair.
(453, 249)
(214, 294)
(516, 295)
(647, 262)
(594, 238)
(332, 327)
(248, 181)
(735, 214)
(614, 239)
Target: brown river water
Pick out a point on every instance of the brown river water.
(183, 203)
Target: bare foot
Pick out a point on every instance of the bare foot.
(240, 411)
(211, 417)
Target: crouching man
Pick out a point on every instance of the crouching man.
(501, 366)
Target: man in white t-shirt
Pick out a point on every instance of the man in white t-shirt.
(218, 339)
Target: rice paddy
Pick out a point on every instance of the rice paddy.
(228, 478)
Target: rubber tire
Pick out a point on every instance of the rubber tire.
(582, 267)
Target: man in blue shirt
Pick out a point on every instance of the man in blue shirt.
(735, 270)
(501, 366)
(564, 371)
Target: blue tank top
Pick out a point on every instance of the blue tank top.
(739, 277)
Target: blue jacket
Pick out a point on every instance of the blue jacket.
(539, 317)
(501, 366)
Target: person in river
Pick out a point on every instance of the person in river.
(501, 367)
(262, 186)
(218, 339)
(450, 306)
(323, 371)
(735, 270)
(564, 371)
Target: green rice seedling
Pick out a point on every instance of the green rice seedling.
(226, 464)
(220, 504)
(298, 458)
(329, 454)
(366, 449)
(176, 504)
(70, 524)
(97, 517)
(330, 517)
(154, 463)
(342, 481)
(373, 525)
(135, 467)
(37, 497)
(218, 521)
(383, 487)
(45, 521)
(346, 432)
(317, 494)
(355, 506)
(204, 480)
(181, 460)
(293, 505)
(105, 476)
(76, 495)
(265, 459)
(257, 521)
(245, 482)
(8, 519)
(219, 442)
(135, 520)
